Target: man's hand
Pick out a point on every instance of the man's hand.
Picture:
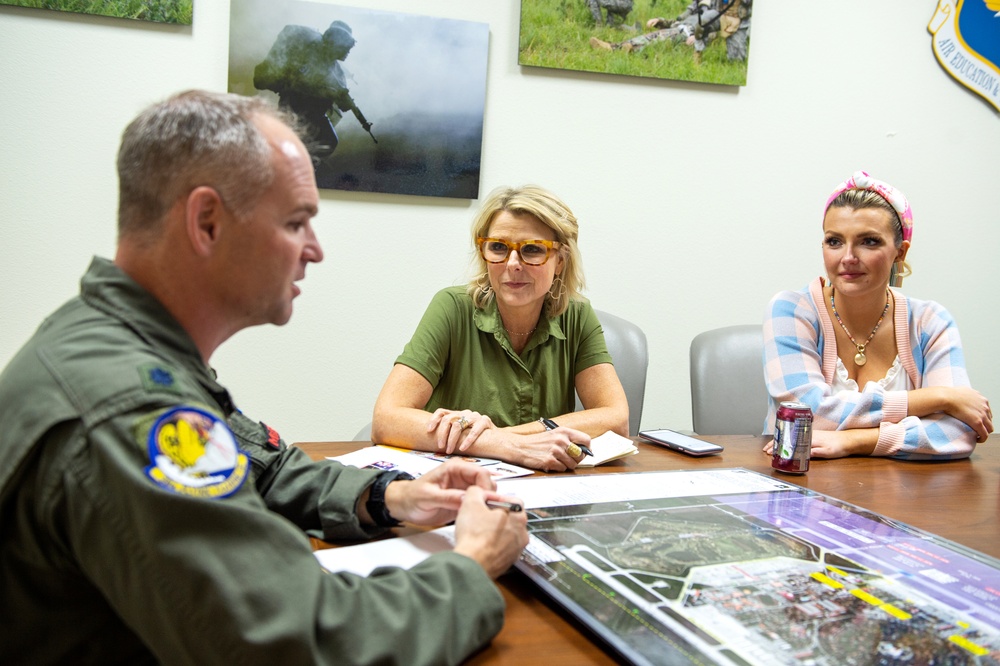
(492, 537)
(435, 498)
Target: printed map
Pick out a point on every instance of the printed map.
(781, 575)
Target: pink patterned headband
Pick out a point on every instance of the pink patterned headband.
(862, 181)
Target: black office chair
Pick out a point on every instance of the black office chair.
(728, 393)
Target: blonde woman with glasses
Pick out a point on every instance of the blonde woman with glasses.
(491, 361)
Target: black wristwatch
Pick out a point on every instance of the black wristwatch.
(376, 498)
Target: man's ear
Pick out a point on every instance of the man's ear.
(204, 216)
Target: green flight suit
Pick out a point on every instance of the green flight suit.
(114, 554)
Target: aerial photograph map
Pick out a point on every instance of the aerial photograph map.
(777, 575)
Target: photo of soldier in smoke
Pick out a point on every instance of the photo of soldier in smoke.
(303, 68)
(391, 102)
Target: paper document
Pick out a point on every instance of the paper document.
(540, 492)
(403, 552)
(419, 463)
(609, 446)
(630, 486)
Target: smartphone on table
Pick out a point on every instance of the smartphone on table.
(678, 442)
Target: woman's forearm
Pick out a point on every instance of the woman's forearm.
(929, 400)
(594, 422)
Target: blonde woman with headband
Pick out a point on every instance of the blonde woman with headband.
(883, 373)
(490, 361)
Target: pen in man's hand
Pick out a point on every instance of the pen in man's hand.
(510, 506)
(552, 425)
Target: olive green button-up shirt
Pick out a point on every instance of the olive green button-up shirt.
(467, 357)
(110, 555)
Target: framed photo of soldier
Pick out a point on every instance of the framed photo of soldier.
(391, 102)
(159, 11)
(706, 41)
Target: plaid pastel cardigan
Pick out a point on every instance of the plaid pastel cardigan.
(798, 365)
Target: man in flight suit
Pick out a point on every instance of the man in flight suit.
(143, 517)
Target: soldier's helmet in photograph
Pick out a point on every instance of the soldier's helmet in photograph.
(339, 33)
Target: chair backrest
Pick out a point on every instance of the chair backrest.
(728, 394)
(365, 434)
(630, 353)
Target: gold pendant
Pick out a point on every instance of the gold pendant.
(859, 358)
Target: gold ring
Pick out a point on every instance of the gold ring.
(463, 423)
(573, 450)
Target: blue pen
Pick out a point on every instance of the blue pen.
(552, 425)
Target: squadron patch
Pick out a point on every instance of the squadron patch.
(193, 452)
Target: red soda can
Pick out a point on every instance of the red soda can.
(792, 438)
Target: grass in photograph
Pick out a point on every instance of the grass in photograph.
(162, 11)
(556, 33)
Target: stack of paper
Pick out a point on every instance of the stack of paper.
(607, 447)
(418, 463)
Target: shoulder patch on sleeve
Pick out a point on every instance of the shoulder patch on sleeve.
(193, 452)
(155, 377)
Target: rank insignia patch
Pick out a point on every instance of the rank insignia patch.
(157, 378)
(967, 44)
(193, 452)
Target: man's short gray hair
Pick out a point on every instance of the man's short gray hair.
(191, 139)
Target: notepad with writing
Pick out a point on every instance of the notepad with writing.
(607, 447)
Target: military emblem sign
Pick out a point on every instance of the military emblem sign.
(193, 452)
(967, 44)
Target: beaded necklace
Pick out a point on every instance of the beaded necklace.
(859, 358)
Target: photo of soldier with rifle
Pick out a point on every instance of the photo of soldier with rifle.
(705, 41)
(304, 69)
(415, 86)
(699, 23)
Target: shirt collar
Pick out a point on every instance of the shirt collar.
(487, 320)
(106, 287)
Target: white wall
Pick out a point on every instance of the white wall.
(696, 202)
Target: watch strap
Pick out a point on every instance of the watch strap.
(376, 498)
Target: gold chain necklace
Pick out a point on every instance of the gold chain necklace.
(859, 358)
(519, 335)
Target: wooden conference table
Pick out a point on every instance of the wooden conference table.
(958, 500)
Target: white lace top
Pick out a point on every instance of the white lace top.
(895, 379)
